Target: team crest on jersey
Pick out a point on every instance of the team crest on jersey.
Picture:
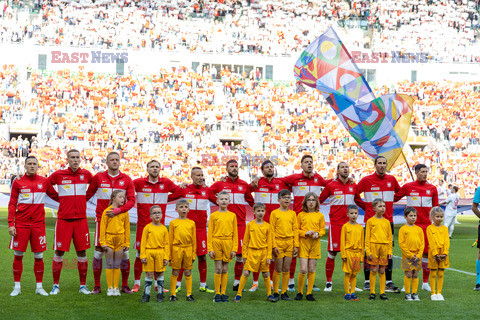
(121, 183)
(40, 185)
(335, 245)
(277, 187)
(240, 188)
(59, 244)
(82, 177)
(389, 184)
(203, 193)
(350, 189)
(428, 191)
(162, 186)
(15, 243)
(316, 180)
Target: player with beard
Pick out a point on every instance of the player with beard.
(240, 197)
(151, 190)
(341, 193)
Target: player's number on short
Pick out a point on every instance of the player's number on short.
(87, 236)
(43, 240)
(204, 244)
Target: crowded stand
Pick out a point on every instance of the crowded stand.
(184, 119)
(445, 30)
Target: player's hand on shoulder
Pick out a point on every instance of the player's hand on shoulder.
(183, 185)
(223, 178)
(110, 213)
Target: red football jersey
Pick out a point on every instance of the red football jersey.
(103, 185)
(301, 185)
(152, 193)
(340, 196)
(72, 191)
(240, 196)
(423, 196)
(267, 193)
(26, 207)
(375, 186)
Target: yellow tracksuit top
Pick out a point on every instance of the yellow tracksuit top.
(182, 233)
(120, 224)
(258, 236)
(378, 231)
(311, 221)
(351, 239)
(438, 240)
(155, 237)
(284, 225)
(223, 225)
(411, 241)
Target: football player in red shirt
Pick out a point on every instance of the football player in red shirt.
(341, 192)
(240, 197)
(151, 190)
(379, 185)
(422, 196)
(26, 222)
(102, 185)
(71, 218)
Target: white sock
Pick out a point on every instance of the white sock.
(137, 282)
(203, 284)
(271, 282)
(291, 281)
(161, 278)
(179, 284)
(39, 285)
(327, 282)
(17, 285)
(367, 281)
(388, 282)
(255, 282)
(235, 282)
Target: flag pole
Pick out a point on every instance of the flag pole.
(408, 166)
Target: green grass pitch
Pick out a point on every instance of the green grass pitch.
(461, 300)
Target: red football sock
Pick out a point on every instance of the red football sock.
(82, 265)
(180, 275)
(97, 271)
(426, 271)
(255, 276)
(17, 268)
(56, 270)
(293, 266)
(238, 270)
(137, 268)
(329, 267)
(38, 268)
(202, 269)
(272, 269)
(125, 267)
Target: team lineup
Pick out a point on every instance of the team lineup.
(270, 244)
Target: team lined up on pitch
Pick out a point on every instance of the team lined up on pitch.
(271, 242)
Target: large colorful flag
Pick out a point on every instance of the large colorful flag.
(327, 66)
(379, 125)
